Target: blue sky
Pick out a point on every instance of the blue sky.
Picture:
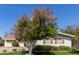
(9, 14)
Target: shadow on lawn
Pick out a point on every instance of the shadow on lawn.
(51, 53)
(77, 52)
(43, 53)
(56, 53)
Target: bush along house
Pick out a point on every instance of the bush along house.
(61, 39)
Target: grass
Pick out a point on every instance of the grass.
(66, 53)
(13, 53)
(41, 53)
(56, 53)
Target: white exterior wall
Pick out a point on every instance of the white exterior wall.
(8, 44)
(39, 42)
(67, 42)
(21, 44)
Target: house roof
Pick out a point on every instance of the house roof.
(65, 34)
(10, 37)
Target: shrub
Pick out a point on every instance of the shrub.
(1, 42)
(64, 48)
(15, 44)
(54, 48)
(75, 50)
(42, 48)
(4, 50)
(51, 48)
(24, 52)
(45, 48)
(14, 49)
(43, 53)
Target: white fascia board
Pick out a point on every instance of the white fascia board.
(65, 34)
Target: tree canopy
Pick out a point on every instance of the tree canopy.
(41, 25)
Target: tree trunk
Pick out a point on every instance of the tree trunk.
(30, 50)
(31, 46)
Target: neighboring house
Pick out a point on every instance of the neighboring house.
(61, 39)
(8, 39)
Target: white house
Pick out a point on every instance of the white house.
(61, 39)
(8, 39)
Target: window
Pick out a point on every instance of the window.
(52, 40)
(47, 40)
(62, 40)
(58, 41)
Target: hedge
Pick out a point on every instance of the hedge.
(42, 48)
(52, 48)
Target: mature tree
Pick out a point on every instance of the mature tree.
(0, 38)
(1, 42)
(68, 29)
(40, 26)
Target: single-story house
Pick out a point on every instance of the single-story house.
(61, 39)
(8, 39)
(7, 46)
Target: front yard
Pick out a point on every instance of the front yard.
(66, 53)
(41, 53)
(11, 53)
(56, 53)
(40, 50)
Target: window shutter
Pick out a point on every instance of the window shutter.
(55, 41)
(52, 40)
(62, 40)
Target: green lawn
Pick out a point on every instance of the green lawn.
(66, 53)
(41, 53)
(13, 53)
(56, 53)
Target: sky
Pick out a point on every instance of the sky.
(67, 14)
